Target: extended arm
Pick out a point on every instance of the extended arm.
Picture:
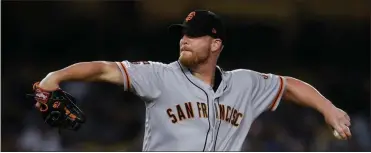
(141, 78)
(304, 94)
(84, 71)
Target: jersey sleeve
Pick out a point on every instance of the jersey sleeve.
(142, 78)
(266, 92)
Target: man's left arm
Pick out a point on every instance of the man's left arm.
(303, 93)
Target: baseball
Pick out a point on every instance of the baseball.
(337, 135)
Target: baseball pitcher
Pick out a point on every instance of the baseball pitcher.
(191, 103)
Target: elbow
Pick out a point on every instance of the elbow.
(292, 84)
(101, 65)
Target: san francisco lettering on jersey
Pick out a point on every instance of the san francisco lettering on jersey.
(187, 111)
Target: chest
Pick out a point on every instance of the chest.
(189, 101)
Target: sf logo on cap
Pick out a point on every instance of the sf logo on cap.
(190, 16)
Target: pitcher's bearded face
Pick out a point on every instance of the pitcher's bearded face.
(194, 51)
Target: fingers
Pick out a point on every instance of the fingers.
(41, 106)
(347, 123)
(37, 105)
(344, 132)
(341, 132)
(347, 117)
(340, 122)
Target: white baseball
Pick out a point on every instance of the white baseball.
(337, 134)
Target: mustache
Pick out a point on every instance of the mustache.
(183, 48)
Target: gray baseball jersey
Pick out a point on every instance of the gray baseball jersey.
(185, 114)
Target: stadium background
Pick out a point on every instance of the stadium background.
(325, 43)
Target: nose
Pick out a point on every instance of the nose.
(184, 40)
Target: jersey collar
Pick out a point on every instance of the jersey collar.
(222, 85)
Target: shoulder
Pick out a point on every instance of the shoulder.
(242, 72)
(155, 64)
(246, 74)
(174, 66)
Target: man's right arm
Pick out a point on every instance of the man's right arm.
(102, 71)
(142, 78)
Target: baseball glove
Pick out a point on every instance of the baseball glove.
(58, 108)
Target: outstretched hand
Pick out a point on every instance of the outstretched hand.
(339, 121)
(47, 84)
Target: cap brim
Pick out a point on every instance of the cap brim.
(176, 30)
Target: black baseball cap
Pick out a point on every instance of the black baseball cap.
(200, 23)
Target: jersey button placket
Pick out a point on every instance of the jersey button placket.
(212, 117)
(216, 123)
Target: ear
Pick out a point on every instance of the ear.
(216, 45)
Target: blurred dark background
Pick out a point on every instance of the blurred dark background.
(325, 43)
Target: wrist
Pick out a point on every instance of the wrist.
(325, 107)
(55, 77)
(50, 82)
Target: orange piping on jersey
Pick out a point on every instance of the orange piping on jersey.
(127, 75)
(275, 101)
